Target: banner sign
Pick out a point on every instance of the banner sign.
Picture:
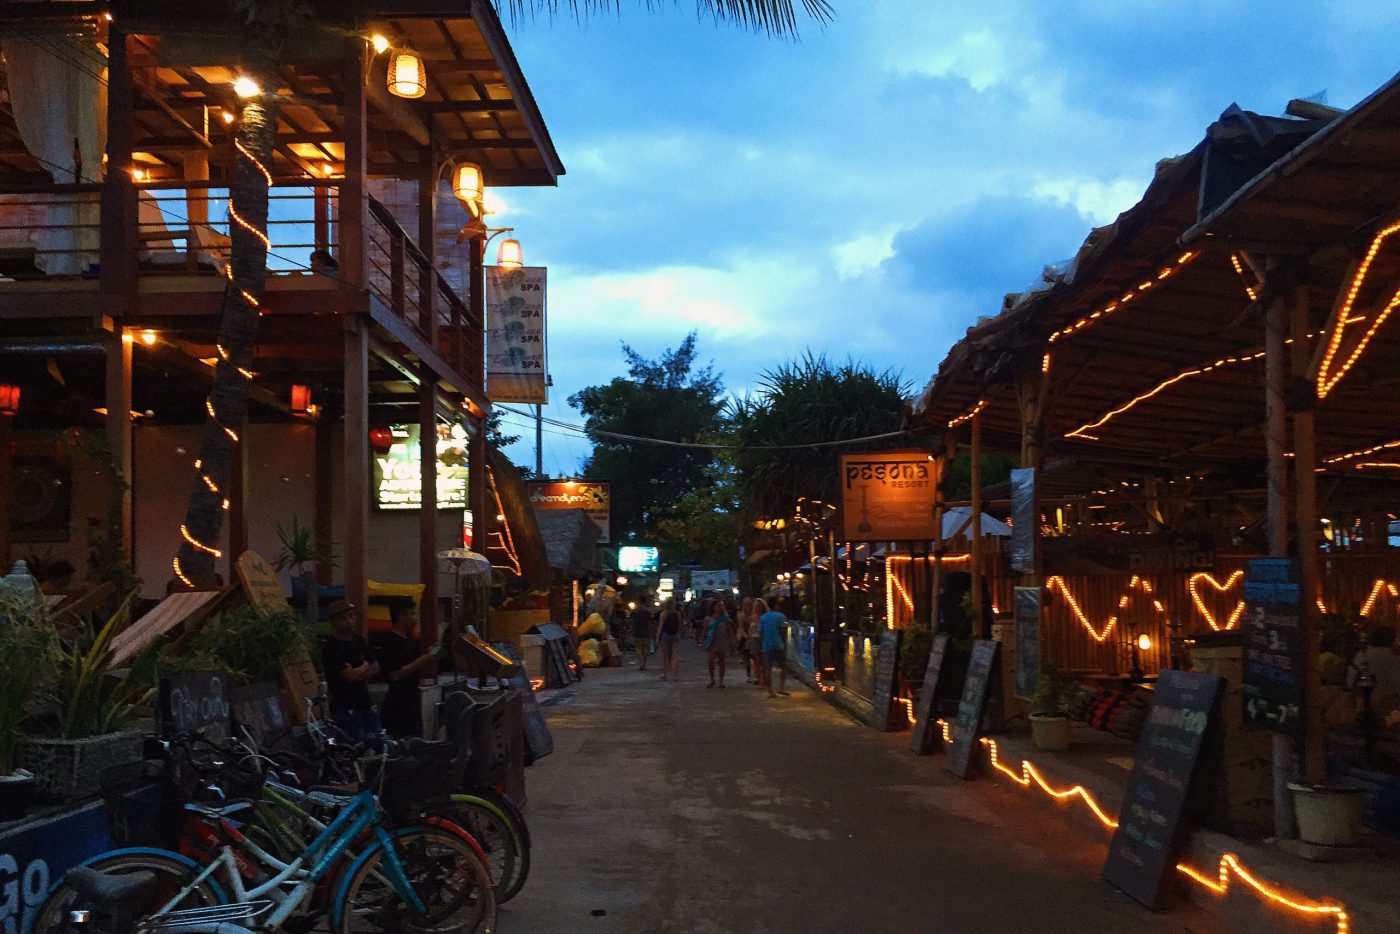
(1024, 521)
(515, 335)
(888, 496)
(1272, 692)
(592, 498)
(703, 581)
(398, 473)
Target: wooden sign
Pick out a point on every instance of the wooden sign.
(261, 707)
(886, 664)
(925, 736)
(1143, 855)
(302, 684)
(195, 700)
(888, 496)
(1272, 692)
(983, 681)
(260, 583)
(539, 742)
(1027, 640)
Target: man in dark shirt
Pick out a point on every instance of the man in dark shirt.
(402, 665)
(641, 635)
(349, 668)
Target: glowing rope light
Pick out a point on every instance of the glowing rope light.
(507, 540)
(1057, 582)
(1201, 608)
(1030, 775)
(1230, 863)
(946, 729)
(1364, 452)
(1239, 268)
(196, 543)
(1324, 384)
(969, 415)
(1381, 586)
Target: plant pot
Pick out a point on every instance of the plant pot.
(1050, 731)
(68, 769)
(1328, 815)
(15, 791)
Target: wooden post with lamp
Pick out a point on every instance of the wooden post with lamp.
(9, 408)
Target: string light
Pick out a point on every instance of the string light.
(946, 729)
(1029, 775)
(1326, 380)
(1221, 588)
(1057, 582)
(507, 540)
(1364, 452)
(1378, 588)
(969, 415)
(196, 543)
(536, 683)
(1239, 268)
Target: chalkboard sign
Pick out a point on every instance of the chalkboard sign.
(262, 707)
(195, 700)
(1272, 692)
(538, 740)
(983, 680)
(1143, 855)
(1027, 640)
(925, 736)
(886, 660)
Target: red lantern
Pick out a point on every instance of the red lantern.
(301, 399)
(9, 400)
(380, 440)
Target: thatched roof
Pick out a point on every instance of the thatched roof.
(569, 536)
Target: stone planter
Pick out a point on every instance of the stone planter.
(69, 769)
(1328, 815)
(1050, 731)
(15, 792)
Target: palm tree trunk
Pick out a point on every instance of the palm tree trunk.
(238, 331)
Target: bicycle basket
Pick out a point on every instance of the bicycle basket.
(143, 807)
(424, 774)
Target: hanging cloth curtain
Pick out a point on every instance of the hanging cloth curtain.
(58, 94)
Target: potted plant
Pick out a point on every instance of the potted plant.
(252, 645)
(83, 728)
(300, 554)
(1049, 718)
(1328, 815)
(28, 645)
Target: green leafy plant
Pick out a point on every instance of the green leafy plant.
(913, 652)
(299, 549)
(1053, 690)
(87, 698)
(253, 645)
(28, 650)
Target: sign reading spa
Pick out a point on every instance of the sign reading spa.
(888, 496)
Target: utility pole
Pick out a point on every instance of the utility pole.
(539, 441)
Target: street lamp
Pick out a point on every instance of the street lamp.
(509, 255)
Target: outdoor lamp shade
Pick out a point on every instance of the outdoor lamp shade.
(301, 399)
(467, 183)
(407, 76)
(1144, 642)
(9, 400)
(381, 440)
(510, 256)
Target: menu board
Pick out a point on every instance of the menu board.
(195, 700)
(924, 736)
(983, 680)
(538, 740)
(886, 660)
(1272, 691)
(1027, 640)
(1142, 857)
(263, 707)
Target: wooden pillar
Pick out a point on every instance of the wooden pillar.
(238, 503)
(1303, 398)
(323, 508)
(427, 512)
(483, 519)
(118, 402)
(7, 462)
(353, 191)
(976, 529)
(117, 250)
(357, 464)
(427, 236)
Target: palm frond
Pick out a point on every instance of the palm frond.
(772, 17)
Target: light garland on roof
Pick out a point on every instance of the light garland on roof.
(507, 540)
(1056, 582)
(1326, 379)
(1201, 608)
(1364, 452)
(1163, 274)
(1249, 290)
(969, 415)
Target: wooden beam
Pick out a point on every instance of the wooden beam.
(154, 95)
(471, 107)
(397, 110)
(427, 509)
(118, 418)
(976, 543)
(354, 260)
(355, 444)
(1305, 508)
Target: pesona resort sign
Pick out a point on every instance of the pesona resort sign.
(888, 496)
(592, 497)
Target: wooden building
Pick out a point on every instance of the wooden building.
(116, 156)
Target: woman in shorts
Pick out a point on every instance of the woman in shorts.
(755, 643)
(668, 635)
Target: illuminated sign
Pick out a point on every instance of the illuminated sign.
(888, 496)
(638, 558)
(592, 498)
(398, 475)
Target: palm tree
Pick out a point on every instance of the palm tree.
(267, 25)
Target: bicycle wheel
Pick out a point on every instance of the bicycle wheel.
(507, 851)
(508, 807)
(445, 873)
(172, 873)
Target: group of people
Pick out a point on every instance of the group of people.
(350, 665)
(750, 629)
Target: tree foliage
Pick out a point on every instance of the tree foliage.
(774, 17)
(804, 402)
(668, 398)
(706, 524)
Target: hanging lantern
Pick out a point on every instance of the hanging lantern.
(469, 187)
(301, 399)
(9, 400)
(407, 75)
(510, 256)
(381, 440)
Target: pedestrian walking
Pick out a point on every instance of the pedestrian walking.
(760, 673)
(716, 641)
(641, 635)
(669, 637)
(745, 628)
(773, 626)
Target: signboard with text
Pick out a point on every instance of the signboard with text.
(888, 496)
(516, 366)
(398, 473)
(593, 498)
(1272, 692)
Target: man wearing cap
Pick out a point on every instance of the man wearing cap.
(349, 668)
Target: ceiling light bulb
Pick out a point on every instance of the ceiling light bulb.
(246, 87)
(379, 43)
